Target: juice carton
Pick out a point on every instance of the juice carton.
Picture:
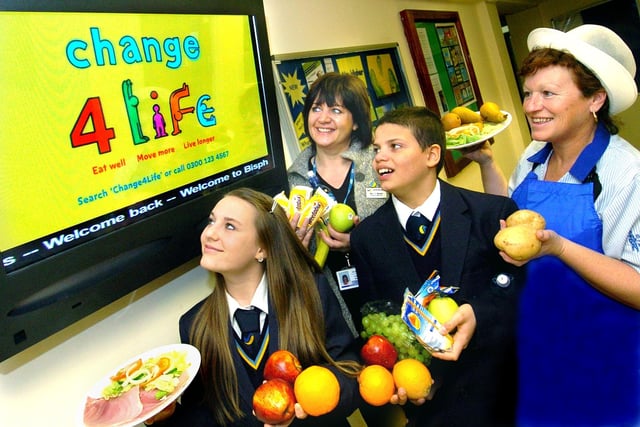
(420, 321)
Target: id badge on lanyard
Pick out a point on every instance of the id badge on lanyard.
(347, 277)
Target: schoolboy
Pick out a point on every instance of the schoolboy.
(475, 380)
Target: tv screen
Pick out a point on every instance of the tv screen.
(121, 126)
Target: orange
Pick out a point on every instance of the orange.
(413, 376)
(317, 390)
(376, 385)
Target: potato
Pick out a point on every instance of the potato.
(518, 241)
(527, 217)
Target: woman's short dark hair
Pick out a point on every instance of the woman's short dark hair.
(348, 91)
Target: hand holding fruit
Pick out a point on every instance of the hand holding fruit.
(464, 323)
(442, 308)
(550, 244)
(292, 392)
(342, 218)
(274, 400)
(519, 238)
(413, 383)
(408, 379)
(335, 240)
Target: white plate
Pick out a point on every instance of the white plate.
(193, 358)
(483, 137)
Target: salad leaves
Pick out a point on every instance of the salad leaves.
(159, 373)
(470, 133)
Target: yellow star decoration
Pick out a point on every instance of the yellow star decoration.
(293, 87)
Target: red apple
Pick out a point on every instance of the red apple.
(274, 402)
(379, 351)
(282, 364)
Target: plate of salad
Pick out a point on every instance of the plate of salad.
(472, 134)
(140, 387)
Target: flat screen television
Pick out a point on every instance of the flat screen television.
(122, 123)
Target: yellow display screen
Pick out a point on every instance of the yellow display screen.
(112, 118)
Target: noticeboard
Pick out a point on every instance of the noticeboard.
(443, 65)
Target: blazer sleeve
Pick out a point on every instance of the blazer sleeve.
(495, 306)
(363, 268)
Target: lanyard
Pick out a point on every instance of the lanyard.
(314, 180)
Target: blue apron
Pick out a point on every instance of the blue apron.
(578, 350)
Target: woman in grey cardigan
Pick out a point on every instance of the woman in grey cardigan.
(337, 120)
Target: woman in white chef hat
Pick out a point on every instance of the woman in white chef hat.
(579, 326)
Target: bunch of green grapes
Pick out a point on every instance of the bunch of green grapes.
(397, 332)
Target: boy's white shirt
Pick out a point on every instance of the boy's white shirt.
(428, 208)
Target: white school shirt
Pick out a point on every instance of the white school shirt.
(259, 300)
(428, 208)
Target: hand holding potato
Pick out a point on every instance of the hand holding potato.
(518, 239)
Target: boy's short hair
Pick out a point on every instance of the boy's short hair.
(424, 124)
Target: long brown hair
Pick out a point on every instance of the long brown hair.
(293, 294)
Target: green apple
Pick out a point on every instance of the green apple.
(442, 308)
(341, 217)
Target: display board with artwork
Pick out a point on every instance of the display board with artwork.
(378, 66)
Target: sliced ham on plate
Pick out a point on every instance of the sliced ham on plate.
(102, 412)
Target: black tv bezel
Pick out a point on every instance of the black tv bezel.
(81, 280)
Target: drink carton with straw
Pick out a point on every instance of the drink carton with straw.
(422, 323)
